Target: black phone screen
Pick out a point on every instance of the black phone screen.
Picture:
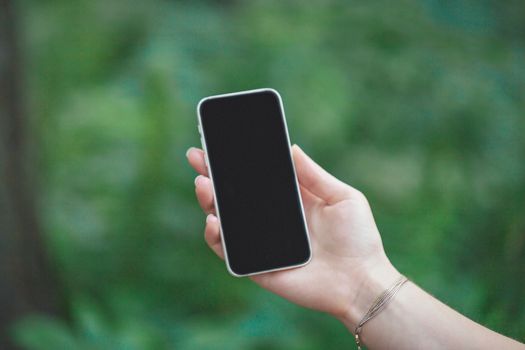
(258, 199)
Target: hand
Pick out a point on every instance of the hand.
(348, 254)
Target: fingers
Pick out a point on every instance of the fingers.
(196, 159)
(317, 180)
(204, 192)
(212, 235)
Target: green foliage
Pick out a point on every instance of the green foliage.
(419, 104)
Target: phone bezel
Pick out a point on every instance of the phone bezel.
(210, 173)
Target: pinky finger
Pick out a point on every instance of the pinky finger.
(212, 235)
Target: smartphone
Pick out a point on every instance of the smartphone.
(257, 198)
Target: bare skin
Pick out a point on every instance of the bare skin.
(350, 269)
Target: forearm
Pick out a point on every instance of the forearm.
(415, 320)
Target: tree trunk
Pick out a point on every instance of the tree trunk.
(27, 284)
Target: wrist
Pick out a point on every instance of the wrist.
(374, 278)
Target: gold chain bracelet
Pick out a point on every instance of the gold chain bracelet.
(378, 305)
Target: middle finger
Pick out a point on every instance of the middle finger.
(204, 192)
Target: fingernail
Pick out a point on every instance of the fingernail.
(188, 151)
(211, 218)
(197, 179)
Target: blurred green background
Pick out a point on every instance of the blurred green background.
(419, 104)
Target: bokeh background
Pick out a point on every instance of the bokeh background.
(420, 104)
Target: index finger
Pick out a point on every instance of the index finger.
(196, 159)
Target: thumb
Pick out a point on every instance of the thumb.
(317, 180)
